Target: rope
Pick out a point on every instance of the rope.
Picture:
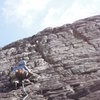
(24, 91)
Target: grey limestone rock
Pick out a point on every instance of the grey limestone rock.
(66, 59)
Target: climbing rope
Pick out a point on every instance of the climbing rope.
(24, 91)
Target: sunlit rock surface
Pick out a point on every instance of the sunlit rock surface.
(66, 58)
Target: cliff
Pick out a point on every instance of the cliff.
(66, 58)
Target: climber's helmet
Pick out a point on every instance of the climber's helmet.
(22, 62)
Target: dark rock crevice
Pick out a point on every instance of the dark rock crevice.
(83, 37)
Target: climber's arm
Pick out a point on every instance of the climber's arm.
(29, 71)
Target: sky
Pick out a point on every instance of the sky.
(24, 18)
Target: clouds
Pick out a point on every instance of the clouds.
(75, 12)
(51, 18)
(78, 9)
(24, 18)
(23, 12)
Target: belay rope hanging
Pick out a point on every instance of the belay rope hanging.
(24, 91)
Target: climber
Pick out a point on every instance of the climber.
(19, 73)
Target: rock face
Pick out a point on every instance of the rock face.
(66, 58)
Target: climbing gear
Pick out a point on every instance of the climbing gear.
(24, 90)
(19, 72)
(18, 76)
(22, 67)
(25, 94)
(22, 62)
(16, 84)
(24, 83)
